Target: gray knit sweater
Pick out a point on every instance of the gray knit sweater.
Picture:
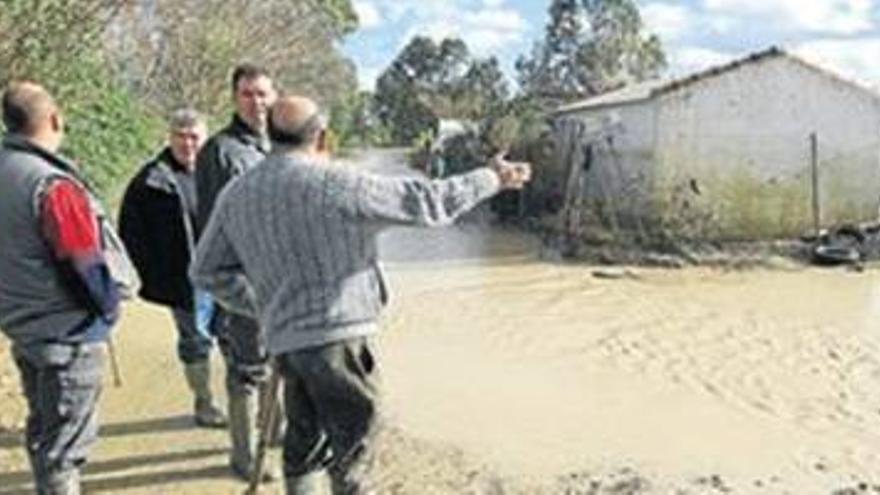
(295, 244)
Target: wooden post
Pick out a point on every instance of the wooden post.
(814, 163)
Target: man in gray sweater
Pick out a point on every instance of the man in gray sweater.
(294, 242)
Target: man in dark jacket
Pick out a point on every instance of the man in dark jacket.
(157, 223)
(227, 154)
(58, 298)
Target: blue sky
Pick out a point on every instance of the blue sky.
(843, 35)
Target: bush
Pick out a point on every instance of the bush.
(108, 131)
(57, 43)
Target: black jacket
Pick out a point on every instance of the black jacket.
(227, 154)
(158, 233)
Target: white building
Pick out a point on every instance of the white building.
(728, 150)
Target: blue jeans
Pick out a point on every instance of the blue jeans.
(62, 384)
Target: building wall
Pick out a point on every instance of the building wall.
(733, 153)
(619, 179)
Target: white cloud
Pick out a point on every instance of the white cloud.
(852, 58)
(486, 30)
(855, 58)
(722, 24)
(826, 16)
(368, 14)
(426, 9)
(437, 31)
(669, 21)
(690, 59)
(490, 29)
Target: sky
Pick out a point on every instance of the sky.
(842, 35)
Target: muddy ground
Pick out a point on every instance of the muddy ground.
(508, 373)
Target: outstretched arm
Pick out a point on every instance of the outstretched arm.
(395, 200)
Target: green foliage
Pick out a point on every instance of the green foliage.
(398, 104)
(420, 151)
(751, 208)
(429, 81)
(589, 47)
(516, 122)
(464, 152)
(341, 15)
(108, 131)
(355, 124)
(57, 43)
(502, 132)
(186, 53)
(484, 88)
(518, 127)
(43, 38)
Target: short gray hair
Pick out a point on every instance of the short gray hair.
(185, 118)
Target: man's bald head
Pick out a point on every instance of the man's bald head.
(27, 107)
(296, 121)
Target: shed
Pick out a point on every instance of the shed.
(727, 152)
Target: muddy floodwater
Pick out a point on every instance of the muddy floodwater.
(754, 381)
(758, 381)
(506, 373)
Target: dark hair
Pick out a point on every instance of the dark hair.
(247, 71)
(303, 134)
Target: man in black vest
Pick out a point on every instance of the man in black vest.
(157, 223)
(58, 300)
(229, 153)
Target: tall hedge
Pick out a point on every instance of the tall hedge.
(59, 44)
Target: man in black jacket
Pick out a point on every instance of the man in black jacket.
(157, 224)
(227, 154)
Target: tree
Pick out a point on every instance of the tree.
(177, 52)
(41, 38)
(398, 103)
(485, 86)
(429, 81)
(452, 63)
(590, 46)
(354, 122)
(58, 43)
(341, 15)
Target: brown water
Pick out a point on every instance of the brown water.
(767, 380)
(503, 370)
(770, 380)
